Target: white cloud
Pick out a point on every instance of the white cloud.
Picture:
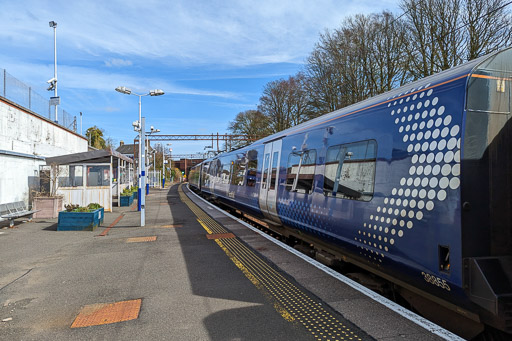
(214, 32)
(111, 109)
(83, 78)
(118, 62)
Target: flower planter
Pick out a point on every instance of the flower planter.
(48, 207)
(80, 221)
(126, 200)
(134, 195)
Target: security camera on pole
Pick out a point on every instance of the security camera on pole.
(55, 100)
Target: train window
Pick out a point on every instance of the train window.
(238, 172)
(217, 170)
(350, 170)
(265, 171)
(252, 166)
(275, 160)
(225, 171)
(300, 173)
(205, 176)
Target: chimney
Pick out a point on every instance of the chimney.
(121, 143)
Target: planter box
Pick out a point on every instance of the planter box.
(49, 207)
(102, 214)
(134, 195)
(80, 221)
(126, 200)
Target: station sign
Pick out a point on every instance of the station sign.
(54, 101)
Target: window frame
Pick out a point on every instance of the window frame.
(339, 188)
(302, 155)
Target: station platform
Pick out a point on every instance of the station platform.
(192, 273)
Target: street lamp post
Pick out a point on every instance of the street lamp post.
(140, 127)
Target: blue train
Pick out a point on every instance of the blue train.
(414, 185)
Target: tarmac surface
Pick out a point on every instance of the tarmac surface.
(188, 276)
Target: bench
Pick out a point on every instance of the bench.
(15, 210)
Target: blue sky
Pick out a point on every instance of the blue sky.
(212, 58)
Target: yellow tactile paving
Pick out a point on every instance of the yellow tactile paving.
(290, 301)
(205, 219)
(105, 313)
(141, 239)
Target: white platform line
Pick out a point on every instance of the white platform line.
(421, 321)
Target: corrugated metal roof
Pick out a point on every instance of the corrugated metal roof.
(94, 156)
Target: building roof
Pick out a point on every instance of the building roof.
(94, 156)
(126, 149)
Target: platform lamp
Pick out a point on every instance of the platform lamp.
(140, 128)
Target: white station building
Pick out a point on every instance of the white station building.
(26, 140)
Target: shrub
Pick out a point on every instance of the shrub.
(94, 206)
(71, 207)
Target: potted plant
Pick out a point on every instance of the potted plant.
(76, 218)
(134, 190)
(46, 201)
(126, 197)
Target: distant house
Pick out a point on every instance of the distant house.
(128, 150)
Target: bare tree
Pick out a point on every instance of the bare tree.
(285, 103)
(362, 58)
(389, 59)
(324, 75)
(299, 100)
(434, 40)
(372, 54)
(488, 27)
(252, 123)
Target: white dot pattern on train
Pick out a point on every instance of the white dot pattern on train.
(433, 140)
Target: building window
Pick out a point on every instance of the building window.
(350, 170)
(71, 176)
(300, 172)
(98, 176)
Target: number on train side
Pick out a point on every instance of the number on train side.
(436, 281)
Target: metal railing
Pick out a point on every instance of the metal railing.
(18, 92)
(154, 178)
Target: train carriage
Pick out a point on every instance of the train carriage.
(413, 185)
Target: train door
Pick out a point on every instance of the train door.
(270, 180)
